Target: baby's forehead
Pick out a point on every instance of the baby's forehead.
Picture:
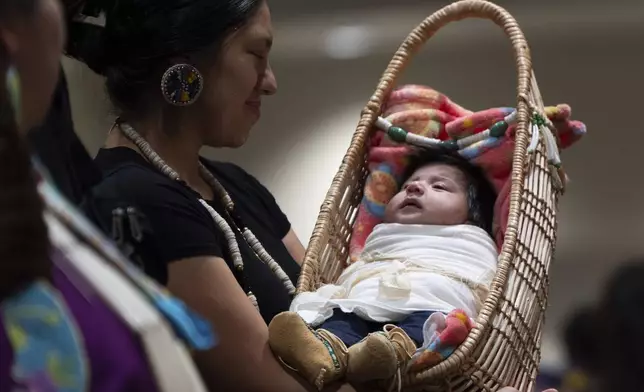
(442, 170)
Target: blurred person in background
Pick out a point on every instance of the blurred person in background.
(59, 328)
(620, 330)
(581, 344)
(605, 342)
(68, 163)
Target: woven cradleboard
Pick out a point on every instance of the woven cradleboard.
(504, 347)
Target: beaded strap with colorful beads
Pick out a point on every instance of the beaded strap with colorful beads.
(399, 135)
(539, 125)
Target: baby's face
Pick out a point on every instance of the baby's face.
(434, 195)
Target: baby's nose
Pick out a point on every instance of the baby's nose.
(415, 188)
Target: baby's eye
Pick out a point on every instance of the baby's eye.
(439, 186)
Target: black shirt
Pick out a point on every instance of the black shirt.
(176, 226)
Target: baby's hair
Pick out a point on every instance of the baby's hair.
(481, 196)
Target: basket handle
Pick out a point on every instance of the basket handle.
(527, 91)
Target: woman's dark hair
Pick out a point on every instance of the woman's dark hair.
(481, 196)
(24, 243)
(142, 38)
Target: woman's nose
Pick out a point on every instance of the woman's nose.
(269, 83)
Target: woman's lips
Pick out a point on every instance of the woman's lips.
(255, 106)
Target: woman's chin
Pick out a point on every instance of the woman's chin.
(239, 142)
(232, 141)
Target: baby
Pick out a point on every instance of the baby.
(433, 253)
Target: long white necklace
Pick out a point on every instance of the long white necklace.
(229, 205)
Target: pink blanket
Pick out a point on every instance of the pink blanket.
(424, 111)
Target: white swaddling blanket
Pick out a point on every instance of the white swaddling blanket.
(405, 269)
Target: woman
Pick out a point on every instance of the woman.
(183, 216)
(62, 329)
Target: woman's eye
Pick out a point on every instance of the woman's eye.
(260, 56)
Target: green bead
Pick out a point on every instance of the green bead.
(498, 129)
(538, 120)
(449, 144)
(397, 134)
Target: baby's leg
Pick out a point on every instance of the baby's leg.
(383, 354)
(319, 355)
(349, 327)
(413, 326)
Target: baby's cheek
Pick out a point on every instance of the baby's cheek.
(463, 212)
(390, 209)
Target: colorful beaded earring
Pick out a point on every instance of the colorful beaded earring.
(181, 84)
(12, 84)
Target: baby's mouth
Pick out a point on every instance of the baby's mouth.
(411, 203)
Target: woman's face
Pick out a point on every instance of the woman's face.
(234, 86)
(34, 42)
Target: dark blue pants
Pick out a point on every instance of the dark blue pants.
(351, 329)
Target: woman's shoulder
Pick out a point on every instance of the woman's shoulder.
(256, 202)
(174, 224)
(127, 175)
(228, 171)
(120, 163)
(237, 180)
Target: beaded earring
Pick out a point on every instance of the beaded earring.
(12, 84)
(181, 85)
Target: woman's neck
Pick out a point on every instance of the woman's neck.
(179, 148)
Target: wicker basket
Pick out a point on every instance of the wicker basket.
(504, 347)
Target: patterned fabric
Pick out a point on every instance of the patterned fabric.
(441, 336)
(424, 111)
(49, 354)
(114, 359)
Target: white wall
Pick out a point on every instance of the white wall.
(298, 145)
